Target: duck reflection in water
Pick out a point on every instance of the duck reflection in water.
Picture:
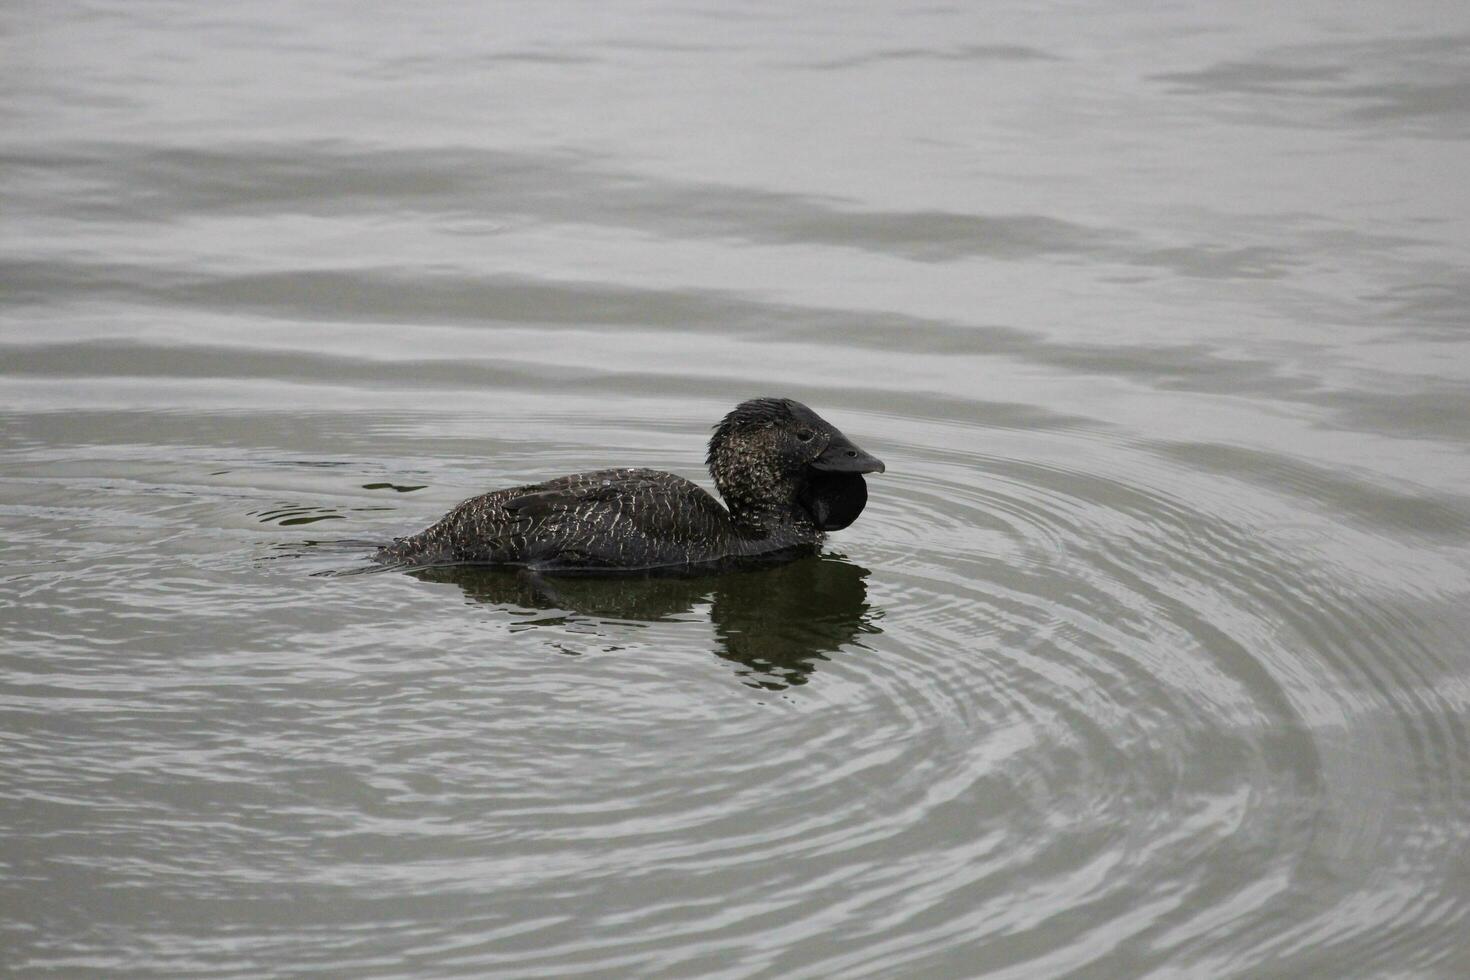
(777, 622)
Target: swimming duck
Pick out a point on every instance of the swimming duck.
(786, 474)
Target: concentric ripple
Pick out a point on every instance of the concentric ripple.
(1029, 713)
(1041, 712)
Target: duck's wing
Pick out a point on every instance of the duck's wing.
(625, 518)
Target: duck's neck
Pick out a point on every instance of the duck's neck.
(762, 501)
(785, 521)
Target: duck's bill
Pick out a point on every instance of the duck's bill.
(841, 456)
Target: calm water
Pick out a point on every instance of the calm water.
(1148, 657)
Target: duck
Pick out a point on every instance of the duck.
(786, 475)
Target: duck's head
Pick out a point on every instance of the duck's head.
(774, 457)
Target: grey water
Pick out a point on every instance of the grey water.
(1148, 657)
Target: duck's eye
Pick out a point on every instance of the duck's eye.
(805, 435)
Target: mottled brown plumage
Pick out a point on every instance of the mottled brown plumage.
(786, 475)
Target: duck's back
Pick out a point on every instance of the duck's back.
(620, 518)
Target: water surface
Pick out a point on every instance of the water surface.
(1147, 658)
